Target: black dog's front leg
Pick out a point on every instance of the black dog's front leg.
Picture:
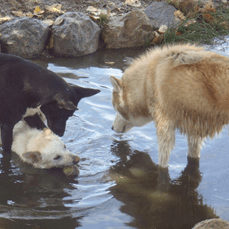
(7, 137)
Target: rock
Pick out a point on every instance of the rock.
(179, 14)
(134, 3)
(76, 35)
(131, 30)
(58, 21)
(212, 224)
(49, 22)
(96, 13)
(162, 29)
(24, 37)
(161, 13)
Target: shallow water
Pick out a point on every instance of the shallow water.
(119, 182)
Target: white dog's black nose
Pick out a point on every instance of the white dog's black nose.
(76, 159)
(112, 128)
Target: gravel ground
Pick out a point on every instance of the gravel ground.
(118, 6)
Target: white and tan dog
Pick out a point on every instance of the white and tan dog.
(41, 148)
(178, 87)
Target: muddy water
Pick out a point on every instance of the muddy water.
(119, 185)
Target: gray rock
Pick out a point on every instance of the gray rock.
(212, 224)
(161, 13)
(131, 30)
(75, 35)
(24, 37)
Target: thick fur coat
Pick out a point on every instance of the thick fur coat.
(178, 87)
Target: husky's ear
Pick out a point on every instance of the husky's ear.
(32, 157)
(64, 103)
(83, 92)
(116, 83)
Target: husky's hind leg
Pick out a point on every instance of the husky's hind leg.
(194, 146)
(166, 141)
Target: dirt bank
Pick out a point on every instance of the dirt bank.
(7, 7)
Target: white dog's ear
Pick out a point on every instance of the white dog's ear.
(32, 157)
(116, 83)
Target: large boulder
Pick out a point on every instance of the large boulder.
(212, 224)
(25, 37)
(131, 30)
(75, 34)
(161, 13)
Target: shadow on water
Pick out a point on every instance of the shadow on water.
(33, 198)
(176, 204)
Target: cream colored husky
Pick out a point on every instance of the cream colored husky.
(178, 87)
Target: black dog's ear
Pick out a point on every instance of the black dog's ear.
(84, 92)
(67, 105)
(64, 103)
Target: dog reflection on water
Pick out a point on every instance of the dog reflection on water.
(151, 197)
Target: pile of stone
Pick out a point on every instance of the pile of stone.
(71, 34)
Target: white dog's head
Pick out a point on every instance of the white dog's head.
(130, 112)
(46, 150)
(41, 148)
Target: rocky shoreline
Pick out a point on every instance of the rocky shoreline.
(76, 28)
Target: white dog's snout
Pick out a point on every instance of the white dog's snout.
(76, 159)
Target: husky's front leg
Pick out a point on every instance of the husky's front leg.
(166, 141)
(194, 146)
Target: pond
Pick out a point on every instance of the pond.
(118, 185)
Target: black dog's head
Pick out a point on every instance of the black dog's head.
(64, 105)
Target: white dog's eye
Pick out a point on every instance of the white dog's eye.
(57, 157)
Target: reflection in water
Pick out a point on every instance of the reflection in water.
(34, 195)
(118, 186)
(100, 59)
(178, 205)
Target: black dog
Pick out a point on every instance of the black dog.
(23, 85)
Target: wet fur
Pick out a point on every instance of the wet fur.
(40, 148)
(178, 87)
(23, 85)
